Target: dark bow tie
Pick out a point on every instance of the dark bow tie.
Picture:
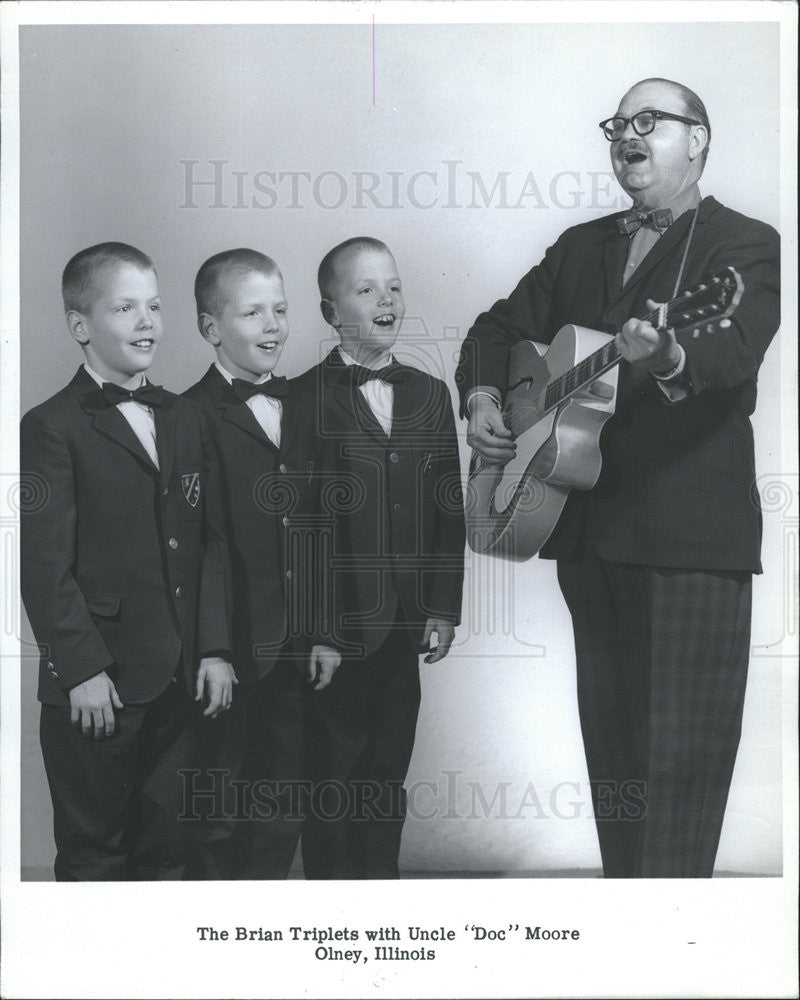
(275, 388)
(149, 395)
(632, 221)
(358, 375)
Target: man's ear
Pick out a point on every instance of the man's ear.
(77, 327)
(698, 140)
(328, 310)
(205, 324)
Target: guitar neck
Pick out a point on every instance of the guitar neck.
(573, 380)
(718, 297)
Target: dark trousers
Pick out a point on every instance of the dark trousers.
(118, 803)
(662, 660)
(360, 737)
(271, 800)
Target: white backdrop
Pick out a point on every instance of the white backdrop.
(479, 147)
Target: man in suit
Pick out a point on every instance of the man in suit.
(389, 447)
(266, 446)
(655, 561)
(123, 578)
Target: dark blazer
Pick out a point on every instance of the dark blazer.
(395, 503)
(123, 564)
(270, 502)
(677, 485)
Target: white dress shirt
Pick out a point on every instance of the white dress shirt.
(139, 416)
(378, 395)
(265, 409)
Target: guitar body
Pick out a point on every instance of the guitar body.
(557, 402)
(513, 509)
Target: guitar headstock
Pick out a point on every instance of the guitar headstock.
(705, 304)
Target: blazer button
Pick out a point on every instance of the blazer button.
(173, 543)
(50, 665)
(394, 457)
(54, 675)
(179, 591)
(288, 574)
(283, 468)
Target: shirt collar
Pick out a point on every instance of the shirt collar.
(229, 378)
(384, 360)
(100, 380)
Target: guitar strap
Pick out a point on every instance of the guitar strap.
(678, 280)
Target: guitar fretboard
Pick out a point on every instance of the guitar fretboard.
(585, 371)
(714, 299)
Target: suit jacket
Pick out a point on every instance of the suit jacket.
(270, 502)
(395, 503)
(677, 484)
(123, 564)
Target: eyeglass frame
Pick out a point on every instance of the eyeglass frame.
(657, 117)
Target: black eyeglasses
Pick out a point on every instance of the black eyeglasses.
(643, 123)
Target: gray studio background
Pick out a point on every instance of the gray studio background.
(480, 148)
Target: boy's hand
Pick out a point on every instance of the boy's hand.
(92, 705)
(445, 632)
(323, 662)
(215, 678)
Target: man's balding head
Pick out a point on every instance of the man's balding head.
(657, 167)
(693, 107)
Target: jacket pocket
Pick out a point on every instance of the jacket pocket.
(103, 605)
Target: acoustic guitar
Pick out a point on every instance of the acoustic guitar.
(558, 400)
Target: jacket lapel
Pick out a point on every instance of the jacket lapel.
(165, 438)
(407, 416)
(233, 410)
(108, 421)
(615, 254)
(289, 417)
(350, 399)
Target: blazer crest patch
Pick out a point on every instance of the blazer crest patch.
(190, 484)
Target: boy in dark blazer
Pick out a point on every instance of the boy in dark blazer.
(123, 580)
(266, 450)
(387, 430)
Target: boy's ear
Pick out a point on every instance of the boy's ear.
(205, 324)
(77, 327)
(328, 310)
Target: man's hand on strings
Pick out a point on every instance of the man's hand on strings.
(647, 347)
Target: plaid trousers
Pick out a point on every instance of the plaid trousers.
(662, 657)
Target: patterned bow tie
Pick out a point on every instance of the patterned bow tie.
(358, 375)
(275, 388)
(632, 221)
(149, 395)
